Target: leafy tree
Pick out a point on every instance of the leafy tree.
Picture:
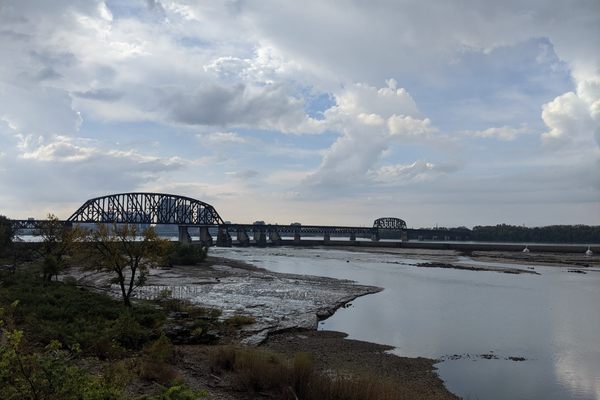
(120, 250)
(60, 243)
(6, 233)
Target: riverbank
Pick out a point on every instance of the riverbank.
(495, 261)
(284, 311)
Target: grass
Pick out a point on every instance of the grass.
(59, 341)
(261, 371)
(100, 325)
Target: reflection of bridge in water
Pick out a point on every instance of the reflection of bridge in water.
(147, 209)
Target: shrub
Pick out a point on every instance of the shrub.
(187, 254)
(240, 320)
(178, 392)
(259, 370)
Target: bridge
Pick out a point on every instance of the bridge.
(146, 209)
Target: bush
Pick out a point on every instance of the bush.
(48, 374)
(240, 320)
(178, 392)
(187, 254)
(101, 325)
(259, 370)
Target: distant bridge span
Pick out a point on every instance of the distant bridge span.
(146, 208)
(168, 209)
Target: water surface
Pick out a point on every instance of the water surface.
(473, 321)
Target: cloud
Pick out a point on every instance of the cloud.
(505, 133)
(574, 117)
(242, 175)
(223, 137)
(370, 120)
(418, 171)
(101, 94)
(240, 105)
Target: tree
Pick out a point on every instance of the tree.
(120, 250)
(59, 244)
(6, 233)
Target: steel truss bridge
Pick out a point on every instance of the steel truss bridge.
(146, 209)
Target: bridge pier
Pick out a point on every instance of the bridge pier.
(404, 236)
(184, 235)
(275, 237)
(353, 237)
(261, 238)
(205, 237)
(242, 237)
(297, 238)
(326, 237)
(223, 237)
(375, 236)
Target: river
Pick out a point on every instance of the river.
(479, 324)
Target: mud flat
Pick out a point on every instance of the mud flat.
(275, 301)
(286, 309)
(498, 261)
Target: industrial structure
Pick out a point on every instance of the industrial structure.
(191, 215)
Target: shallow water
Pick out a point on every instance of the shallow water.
(472, 320)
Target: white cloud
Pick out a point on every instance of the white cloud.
(574, 117)
(370, 119)
(223, 137)
(418, 171)
(506, 133)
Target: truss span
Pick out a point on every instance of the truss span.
(389, 223)
(146, 208)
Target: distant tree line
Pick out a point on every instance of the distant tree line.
(514, 233)
(542, 234)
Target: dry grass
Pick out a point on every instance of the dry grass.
(297, 378)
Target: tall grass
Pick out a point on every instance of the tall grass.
(297, 378)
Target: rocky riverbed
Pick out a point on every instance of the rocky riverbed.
(275, 301)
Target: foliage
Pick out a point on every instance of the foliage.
(59, 244)
(544, 234)
(101, 325)
(239, 320)
(187, 254)
(6, 234)
(178, 392)
(49, 374)
(124, 253)
(297, 378)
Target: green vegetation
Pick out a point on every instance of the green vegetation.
(58, 341)
(544, 234)
(122, 252)
(100, 325)
(6, 234)
(240, 320)
(187, 254)
(58, 246)
(257, 370)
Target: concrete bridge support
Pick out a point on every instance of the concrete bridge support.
(404, 236)
(353, 237)
(375, 237)
(275, 237)
(297, 238)
(326, 237)
(223, 237)
(184, 235)
(260, 237)
(205, 237)
(242, 237)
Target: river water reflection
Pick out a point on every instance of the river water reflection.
(475, 322)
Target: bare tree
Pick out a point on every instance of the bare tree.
(127, 253)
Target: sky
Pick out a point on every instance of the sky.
(442, 112)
